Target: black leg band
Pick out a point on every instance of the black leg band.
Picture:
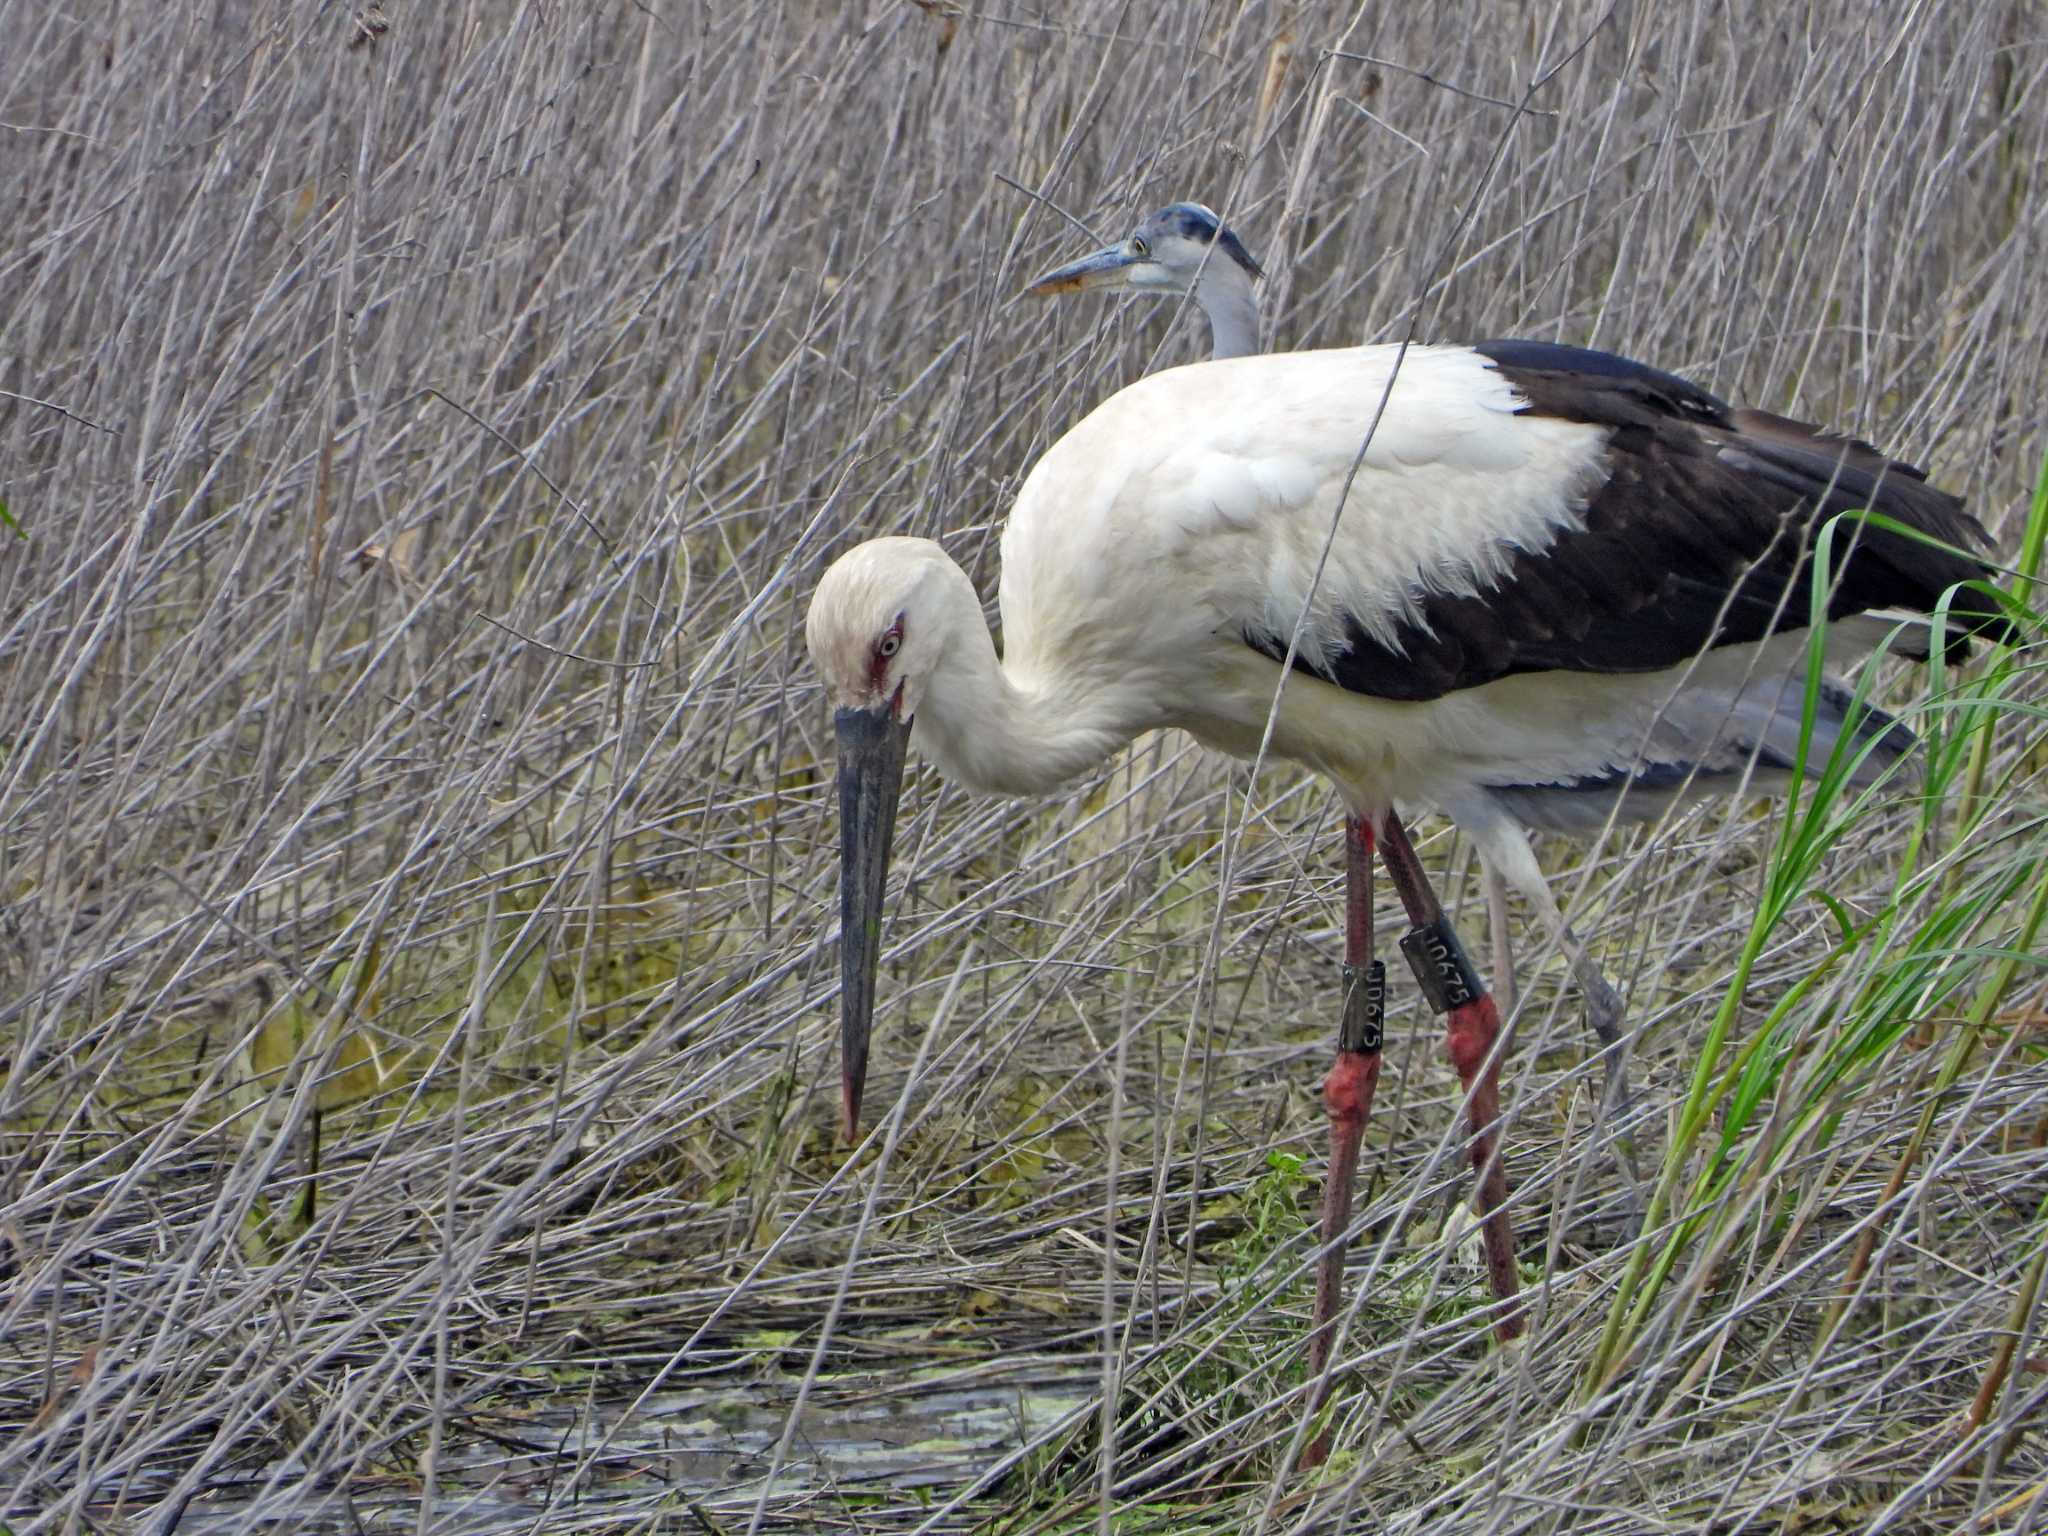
(1365, 1007)
(1441, 969)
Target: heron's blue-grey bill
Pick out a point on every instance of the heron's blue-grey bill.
(871, 746)
(1098, 269)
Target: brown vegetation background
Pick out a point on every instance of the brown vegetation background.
(424, 425)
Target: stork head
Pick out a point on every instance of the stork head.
(1164, 254)
(880, 623)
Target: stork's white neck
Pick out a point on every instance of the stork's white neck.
(1224, 290)
(989, 731)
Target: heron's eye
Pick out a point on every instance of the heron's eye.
(889, 644)
(1139, 247)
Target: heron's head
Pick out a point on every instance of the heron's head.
(1164, 254)
(880, 623)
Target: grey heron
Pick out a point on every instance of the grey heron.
(1182, 249)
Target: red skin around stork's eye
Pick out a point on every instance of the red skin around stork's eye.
(885, 652)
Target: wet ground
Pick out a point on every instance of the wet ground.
(701, 1456)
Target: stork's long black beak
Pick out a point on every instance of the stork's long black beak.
(1098, 269)
(871, 746)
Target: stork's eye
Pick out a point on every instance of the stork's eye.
(886, 647)
(1139, 247)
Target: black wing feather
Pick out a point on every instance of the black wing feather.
(1700, 536)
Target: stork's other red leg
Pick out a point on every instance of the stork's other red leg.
(1469, 1034)
(1347, 1097)
(1470, 1029)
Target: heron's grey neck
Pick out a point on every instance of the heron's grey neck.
(1224, 290)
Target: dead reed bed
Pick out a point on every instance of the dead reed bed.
(420, 428)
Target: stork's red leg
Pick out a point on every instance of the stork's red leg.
(1347, 1097)
(1471, 1027)
(1469, 1034)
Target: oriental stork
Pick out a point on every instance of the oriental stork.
(1557, 577)
(1186, 250)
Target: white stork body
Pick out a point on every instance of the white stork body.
(1559, 580)
(1188, 513)
(1146, 540)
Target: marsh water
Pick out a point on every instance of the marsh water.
(700, 1456)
